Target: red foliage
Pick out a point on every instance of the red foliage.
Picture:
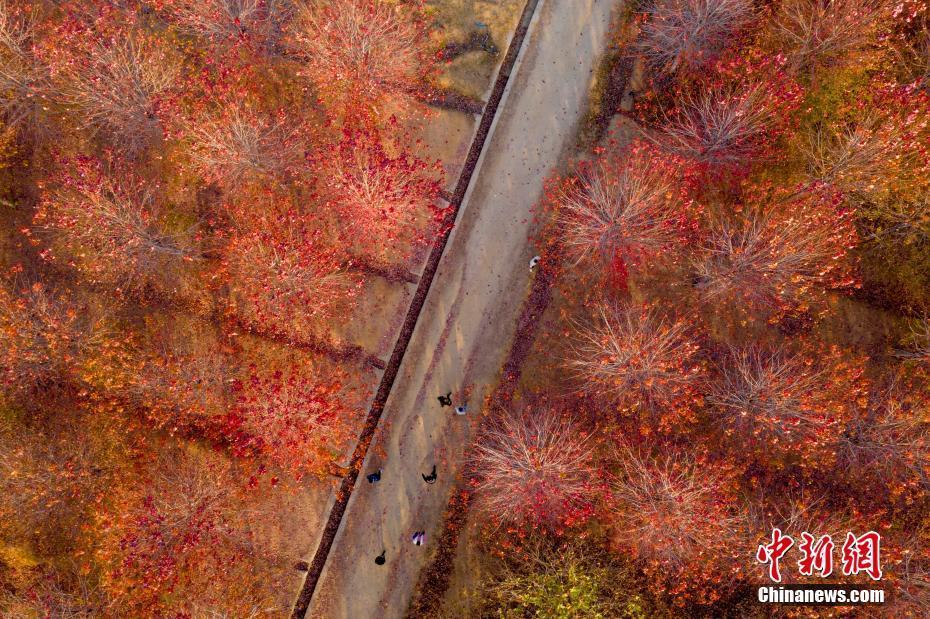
(186, 391)
(167, 537)
(122, 82)
(284, 277)
(724, 124)
(292, 418)
(817, 34)
(385, 195)
(641, 362)
(25, 77)
(679, 517)
(624, 208)
(910, 574)
(237, 145)
(779, 402)
(114, 227)
(690, 35)
(366, 54)
(887, 440)
(44, 338)
(778, 254)
(256, 25)
(535, 468)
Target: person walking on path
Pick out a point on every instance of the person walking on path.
(445, 400)
(373, 477)
(418, 538)
(380, 560)
(431, 478)
(461, 410)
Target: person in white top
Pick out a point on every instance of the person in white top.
(534, 261)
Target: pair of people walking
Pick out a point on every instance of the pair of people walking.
(376, 476)
(446, 400)
(418, 538)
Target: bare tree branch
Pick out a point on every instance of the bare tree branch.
(118, 86)
(625, 207)
(226, 22)
(774, 396)
(853, 159)
(890, 437)
(236, 146)
(636, 358)
(919, 350)
(770, 260)
(719, 128)
(25, 80)
(823, 32)
(361, 52)
(533, 467)
(689, 35)
(670, 511)
(117, 232)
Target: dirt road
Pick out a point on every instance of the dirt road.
(467, 322)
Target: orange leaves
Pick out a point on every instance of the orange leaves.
(816, 34)
(780, 402)
(689, 35)
(163, 537)
(887, 438)
(256, 25)
(296, 419)
(120, 85)
(364, 54)
(184, 391)
(776, 255)
(385, 195)
(768, 360)
(285, 277)
(114, 227)
(44, 341)
(222, 171)
(681, 519)
(25, 77)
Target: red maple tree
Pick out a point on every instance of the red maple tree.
(385, 195)
(299, 418)
(535, 468)
(363, 54)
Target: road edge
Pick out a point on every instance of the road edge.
(337, 512)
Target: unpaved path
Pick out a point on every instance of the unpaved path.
(467, 323)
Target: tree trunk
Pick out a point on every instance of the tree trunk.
(447, 99)
(322, 346)
(477, 40)
(390, 272)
